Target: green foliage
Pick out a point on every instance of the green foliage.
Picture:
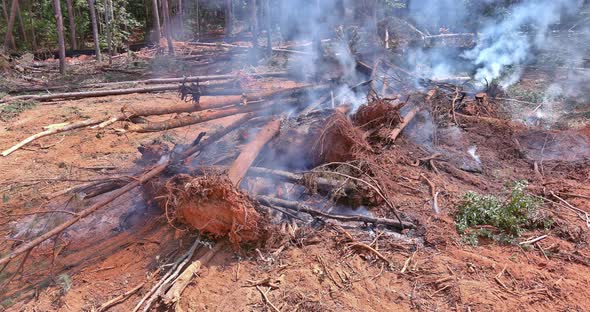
(499, 219)
(12, 110)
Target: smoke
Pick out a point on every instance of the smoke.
(506, 38)
(503, 44)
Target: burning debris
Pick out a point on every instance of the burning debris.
(331, 144)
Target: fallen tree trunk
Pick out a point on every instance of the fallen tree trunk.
(198, 118)
(402, 125)
(240, 166)
(139, 111)
(271, 201)
(151, 82)
(238, 47)
(129, 112)
(101, 93)
(137, 181)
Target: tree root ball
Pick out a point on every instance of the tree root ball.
(378, 112)
(212, 205)
(339, 141)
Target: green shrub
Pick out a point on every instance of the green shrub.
(499, 219)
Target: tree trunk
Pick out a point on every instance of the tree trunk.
(157, 27)
(254, 25)
(9, 38)
(94, 29)
(107, 18)
(180, 17)
(229, 22)
(198, 19)
(60, 36)
(31, 18)
(268, 29)
(6, 18)
(72, 25)
(21, 23)
(167, 26)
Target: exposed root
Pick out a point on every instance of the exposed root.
(212, 205)
(339, 141)
(378, 112)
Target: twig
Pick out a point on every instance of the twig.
(344, 218)
(407, 263)
(175, 292)
(176, 267)
(267, 300)
(107, 305)
(532, 241)
(434, 194)
(371, 249)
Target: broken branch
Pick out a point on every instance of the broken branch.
(271, 201)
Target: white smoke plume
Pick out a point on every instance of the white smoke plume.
(503, 43)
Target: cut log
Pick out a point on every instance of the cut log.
(205, 103)
(197, 118)
(241, 165)
(271, 201)
(101, 93)
(245, 48)
(186, 155)
(405, 122)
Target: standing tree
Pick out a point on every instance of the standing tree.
(94, 29)
(31, 14)
(254, 25)
(167, 26)
(72, 25)
(21, 23)
(60, 36)
(198, 13)
(229, 19)
(9, 38)
(180, 17)
(107, 18)
(158, 29)
(268, 29)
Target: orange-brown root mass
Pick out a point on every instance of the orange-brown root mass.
(378, 112)
(212, 205)
(339, 141)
